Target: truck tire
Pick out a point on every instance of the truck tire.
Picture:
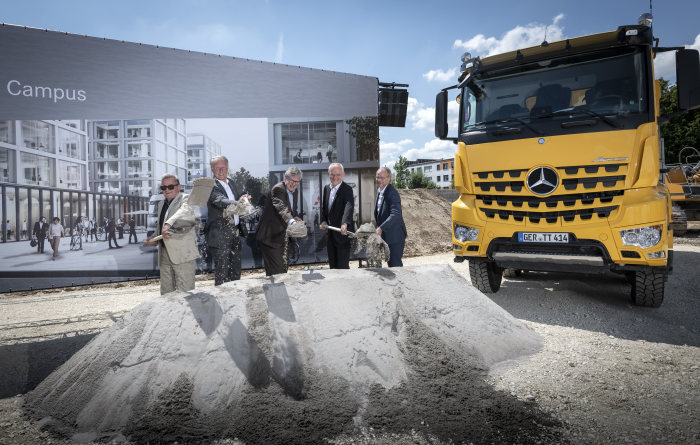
(648, 288)
(485, 276)
(680, 220)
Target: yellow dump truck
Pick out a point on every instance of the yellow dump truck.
(558, 158)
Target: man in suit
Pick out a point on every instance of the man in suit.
(40, 230)
(132, 230)
(112, 234)
(387, 213)
(222, 231)
(280, 212)
(177, 250)
(337, 210)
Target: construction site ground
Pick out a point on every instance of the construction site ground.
(608, 371)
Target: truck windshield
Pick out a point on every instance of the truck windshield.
(610, 85)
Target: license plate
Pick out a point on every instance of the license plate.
(543, 237)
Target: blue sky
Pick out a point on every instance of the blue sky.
(414, 42)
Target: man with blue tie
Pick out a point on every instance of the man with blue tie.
(387, 213)
(337, 209)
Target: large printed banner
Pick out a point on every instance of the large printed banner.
(89, 125)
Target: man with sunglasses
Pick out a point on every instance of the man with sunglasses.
(223, 231)
(177, 250)
(280, 212)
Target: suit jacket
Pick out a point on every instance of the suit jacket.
(182, 247)
(40, 233)
(219, 228)
(388, 216)
(272, 230)
(340, 212)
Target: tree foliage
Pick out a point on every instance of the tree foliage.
(416, 180)
(245, 182)
(680, 131)
(365, 130)
(401, 173)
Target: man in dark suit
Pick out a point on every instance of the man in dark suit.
(337, 210)
(280, 212)
(112, 234)
(40, 230)
(132, 230)
(387, 213)
(223, 231)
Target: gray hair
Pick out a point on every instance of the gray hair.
(216, 159)
(169, 175)
(386, 169)
(334, 165)
(292, 172)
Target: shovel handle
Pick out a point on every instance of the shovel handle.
(338, 230)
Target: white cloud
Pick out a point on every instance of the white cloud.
(422, 117)
(440, 75)
(280, 49)
(665, 63)
(518, 37)
(433, 149)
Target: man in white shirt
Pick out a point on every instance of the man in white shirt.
(337, 208)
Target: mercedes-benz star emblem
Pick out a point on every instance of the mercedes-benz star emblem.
(542, 181)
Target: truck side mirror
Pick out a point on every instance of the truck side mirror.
(441, 115)
(687, 77)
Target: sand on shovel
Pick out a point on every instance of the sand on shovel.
(299, 358)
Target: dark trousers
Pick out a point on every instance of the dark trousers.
(227, 260)
(338, 254)
(395, 254)
(273, 257)
(133, 233)
(110, 237)
(40, 245)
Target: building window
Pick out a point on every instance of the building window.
(139, 149)
(108, 187)
(138, 128)
(438, 167)
(106, 150)
(428, 168)
(140, 188)
(7, 132)
(309, 142)
(7, 163)
(38, 135)
(107, 170)
(70, 175)
(70, 144)
(446, 178)
(138, 169)
(37, 170)
(107, 130)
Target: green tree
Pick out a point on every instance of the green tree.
(245, 182)
(680, 131)
(401, 173)
(416, 180)
(365, 130)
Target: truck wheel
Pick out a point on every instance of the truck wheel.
(512, 273)
(680, 220)
(648, 288)
(485, 276)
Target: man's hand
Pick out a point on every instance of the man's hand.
(165, 232)
(148, 242)
(323, 226)
(344, 229)
(379, 231)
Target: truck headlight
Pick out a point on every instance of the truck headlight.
(465, 233)
(643, 237)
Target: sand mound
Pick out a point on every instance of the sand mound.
(428, 218)
(298, 358)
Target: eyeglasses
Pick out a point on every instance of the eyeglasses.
(294, 180)
(380, 177)
(168, 187)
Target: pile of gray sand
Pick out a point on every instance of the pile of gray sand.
(300, 358)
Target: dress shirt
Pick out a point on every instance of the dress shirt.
(230, 195)
(331, 197)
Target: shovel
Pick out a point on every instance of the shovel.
(336, 229)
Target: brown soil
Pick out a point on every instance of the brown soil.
(428, 218)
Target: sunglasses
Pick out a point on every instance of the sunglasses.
(168, 187)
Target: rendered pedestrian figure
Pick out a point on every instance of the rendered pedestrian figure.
(40, 232)
(111, 234)
(55, 233)
(132, 230)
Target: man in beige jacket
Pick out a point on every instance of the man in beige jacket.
(177, 250)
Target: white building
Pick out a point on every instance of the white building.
(200, 150)
(439, 171)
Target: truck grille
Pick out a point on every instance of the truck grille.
(585, 192)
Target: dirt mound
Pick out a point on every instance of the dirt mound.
(428, 218)
(300, 358)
